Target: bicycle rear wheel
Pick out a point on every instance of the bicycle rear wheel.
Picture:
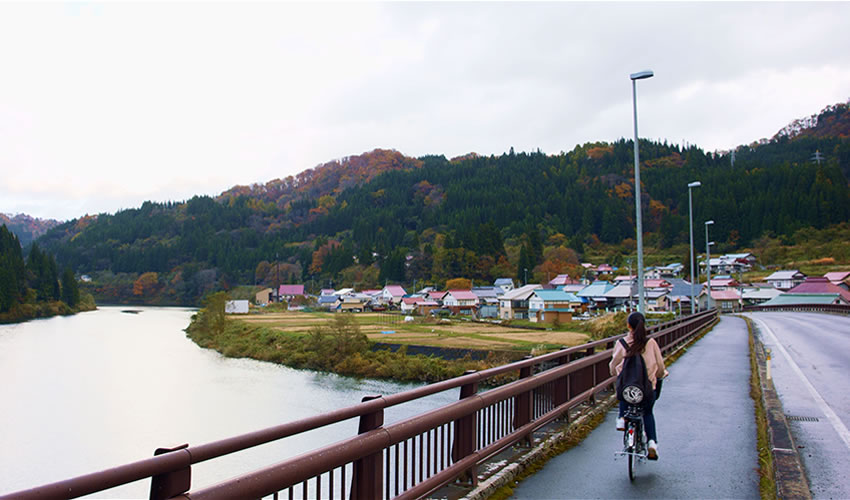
(631, 449)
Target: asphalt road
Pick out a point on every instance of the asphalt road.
(810, 366)
(706, 433)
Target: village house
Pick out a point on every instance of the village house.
(657, 299)
(725, 301)
(289, 292)
(621, 297)
(785, 280)
(723, 283)
(264, 297)
(514, 304)
(820, 284)
(595, 293)
(461, 301)
(506, 284)
(488, 301)
(411, 304)
(551, 306)
(753, 296)
(680, 294)
(392, 295)
(328, 301)
(839, 278)
(561, 280)
(796, 299)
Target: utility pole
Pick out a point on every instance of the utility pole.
(818, 157)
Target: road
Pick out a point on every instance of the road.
(706, 431)
(809, 366)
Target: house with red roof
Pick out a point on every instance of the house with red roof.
(561, 280)
(820, 284)
(289, 292)
(724, 283)
(724, 300)
(392, 294)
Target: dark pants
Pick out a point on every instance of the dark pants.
(648, 417)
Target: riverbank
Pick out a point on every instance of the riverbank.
(26, 312)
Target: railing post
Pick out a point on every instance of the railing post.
(592, 368)
(367, 479)
(562, 389)
(171, 484)
(465, 431)
(522, 404)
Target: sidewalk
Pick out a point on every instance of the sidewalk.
(706, 433)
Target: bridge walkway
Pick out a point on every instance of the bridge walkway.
(706, 429)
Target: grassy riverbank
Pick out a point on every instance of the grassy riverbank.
(25, 312)
(342, 343)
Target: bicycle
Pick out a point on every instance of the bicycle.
(634, 439)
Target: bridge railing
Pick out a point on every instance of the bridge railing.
(408, 459)
(830, 308)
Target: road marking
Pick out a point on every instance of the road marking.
(836, 422)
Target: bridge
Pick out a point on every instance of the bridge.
(448, 451)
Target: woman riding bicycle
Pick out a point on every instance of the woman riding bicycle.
(655, 371)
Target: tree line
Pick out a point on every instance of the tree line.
(32, 281)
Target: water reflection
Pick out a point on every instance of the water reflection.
(98, 389)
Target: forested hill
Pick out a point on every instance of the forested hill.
(383, 216)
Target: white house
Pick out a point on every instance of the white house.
(786, 280)
(514, 304)
(392, 294)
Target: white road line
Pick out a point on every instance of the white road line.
(836, 422)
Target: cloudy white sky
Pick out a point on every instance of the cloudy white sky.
(103, 106)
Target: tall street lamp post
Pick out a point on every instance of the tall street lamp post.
(691, 217)
(708, 264)
(634, 77)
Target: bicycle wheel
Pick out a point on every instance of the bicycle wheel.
(631, 439)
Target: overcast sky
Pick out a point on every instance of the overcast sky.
(104, 106)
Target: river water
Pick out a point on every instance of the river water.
(87, 392)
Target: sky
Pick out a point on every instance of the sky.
(106, 105)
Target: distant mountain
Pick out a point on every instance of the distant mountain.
(27, 228)
(832, 121)
(384, 217)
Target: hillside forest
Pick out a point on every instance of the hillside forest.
(33, 287)
(382, 217)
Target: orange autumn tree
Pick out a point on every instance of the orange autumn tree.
(146, 284)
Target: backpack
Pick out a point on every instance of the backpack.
(633, 383)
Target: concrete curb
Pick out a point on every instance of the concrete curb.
(789, 476)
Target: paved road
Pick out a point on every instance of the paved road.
(706, 435)
(810, 363)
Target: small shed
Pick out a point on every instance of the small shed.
(236, 307)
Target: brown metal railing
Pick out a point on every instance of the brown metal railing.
(830, 308)
(408, 459)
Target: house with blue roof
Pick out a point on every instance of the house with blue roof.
(553, 305)
(595, 294)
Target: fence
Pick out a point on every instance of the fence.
(830, 308)
(408, 459)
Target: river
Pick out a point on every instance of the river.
(87, 392)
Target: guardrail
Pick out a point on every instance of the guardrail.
(408, 459)
(830, 308)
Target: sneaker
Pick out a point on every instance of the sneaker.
(653, 450)
(621, 424)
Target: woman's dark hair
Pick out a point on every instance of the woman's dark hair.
(636, 321)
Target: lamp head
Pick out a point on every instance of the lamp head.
(641, 75)
(694, 184)
(709, 222)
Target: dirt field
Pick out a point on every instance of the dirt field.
(425, 331)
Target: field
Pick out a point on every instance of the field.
(392, 328)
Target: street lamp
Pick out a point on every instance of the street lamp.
(525, 275)
(708, 263)
(691, 217)
(634, 77)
